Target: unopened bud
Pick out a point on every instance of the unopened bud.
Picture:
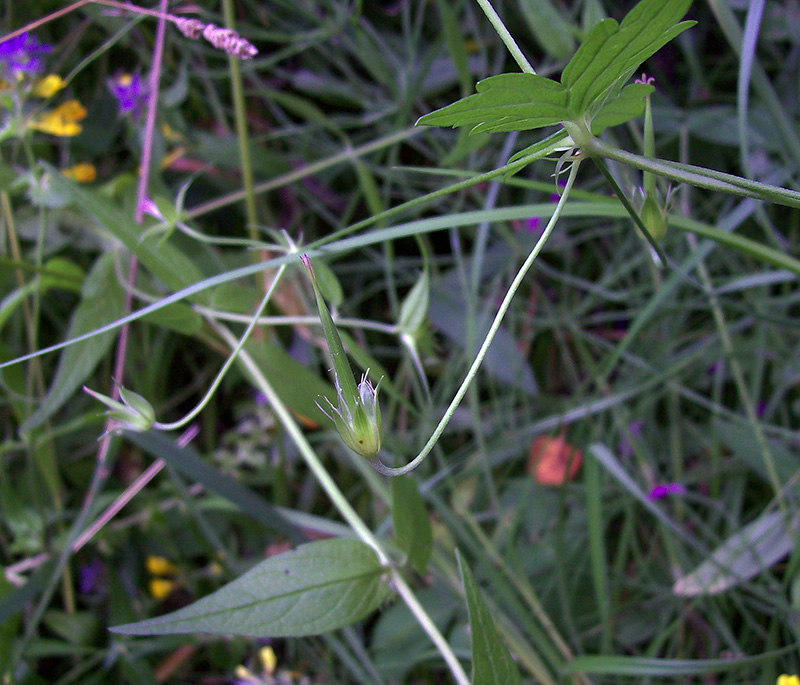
(357, 416)
(134, 412)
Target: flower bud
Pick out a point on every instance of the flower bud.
(360, 427)
(654, 218)
(358, 415)
(134, 412)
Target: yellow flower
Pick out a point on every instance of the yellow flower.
(244, 674)
(48, 86)
(266, 655)
(82, 173)
(160, 587)
(170, 133)
(172, 156)
(788, 680)
(61, 121)
(159, 566)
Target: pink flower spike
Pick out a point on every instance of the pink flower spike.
(665, 489)
(646, 80)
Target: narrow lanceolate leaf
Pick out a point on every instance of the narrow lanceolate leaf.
(165, 261)
(102, 301)
(316, 588)
(744, 555)
(412, 523)
(507, 102)
(612, 52)
(491, 662)
(414, 309)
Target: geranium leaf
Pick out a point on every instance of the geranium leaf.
(507, 102)
(591, 83)
(629, 104)
(318, 587)
(612, 52)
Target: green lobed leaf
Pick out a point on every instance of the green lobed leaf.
(592, 80)
(318, 587)
(412, 524)
(629, 104)
(103, 301)
(491, 662)
(506, 102)
(612, 52)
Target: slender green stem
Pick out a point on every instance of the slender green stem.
(739, 380)
(344, 507)
(349, 153)
(505, 36)
(231, 358)
(300, 320)
(631, 210)
(498, 319)
(695, 175)
(241, 129)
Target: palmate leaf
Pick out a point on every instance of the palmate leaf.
(612, 52)
(591, 89)
(629, 104)
(507, 102)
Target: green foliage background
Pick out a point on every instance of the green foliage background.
(684, 376)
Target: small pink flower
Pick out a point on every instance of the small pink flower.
(646, 80)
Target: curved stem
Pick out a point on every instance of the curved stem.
(498, 319)
(505, 36)
(345, 508)
(231, 358)
(631, 209)
(694, 175)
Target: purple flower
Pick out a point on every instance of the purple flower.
(533, 225)
(634, 433)
(21, 55)
(663, 490)
(128, 91)
(90, 577)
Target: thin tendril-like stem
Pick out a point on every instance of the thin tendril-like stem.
(498, 319)
(346, 509)
(231, 358)
(505, 36)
